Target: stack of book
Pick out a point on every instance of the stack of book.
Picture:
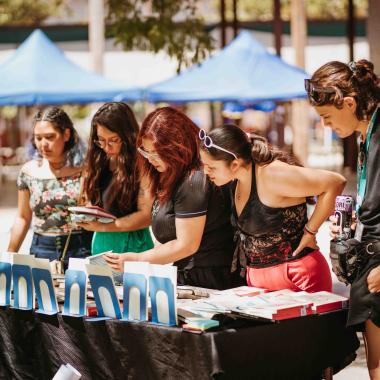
(259, 304)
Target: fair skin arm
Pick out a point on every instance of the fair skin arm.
(294, 182)
(22, 222)
(132, 222)
(189, 233)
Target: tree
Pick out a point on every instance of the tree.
(173, 26)
(28, 12)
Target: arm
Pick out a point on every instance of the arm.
(189, 233)
(22, 222)
(132, 222)
(298, 182)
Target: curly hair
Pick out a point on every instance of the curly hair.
(356, 79)
(119, 118)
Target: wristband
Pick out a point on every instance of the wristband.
(309, 230)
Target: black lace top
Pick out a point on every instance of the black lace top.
(265, 235)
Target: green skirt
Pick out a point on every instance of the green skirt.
(120, 242)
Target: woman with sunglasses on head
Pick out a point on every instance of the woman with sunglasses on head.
(47, 186)
(112, 182)
(347, 98)
(190, 217)
(276, 243)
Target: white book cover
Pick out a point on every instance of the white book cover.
(163, 293)
(6, 260)
(44, 287)
(75, 300)
(136, 290)
(22, 278)
(99, 259)
(104, 291)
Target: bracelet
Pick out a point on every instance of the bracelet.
(309, 230)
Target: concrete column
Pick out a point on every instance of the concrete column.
(96, 33)
(300, 114)
(373, 33)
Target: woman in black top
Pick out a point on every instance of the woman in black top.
(190, 217)
(276, 244)
(347, 98)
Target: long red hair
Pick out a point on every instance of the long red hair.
(175, 139)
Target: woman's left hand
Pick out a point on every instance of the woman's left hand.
(92, 226)
(307, 241)
(373, 280)
(116, 260)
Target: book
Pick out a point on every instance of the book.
(323, 302)
(244, 291)
(90, 213)
(200, 324)
(99, 259)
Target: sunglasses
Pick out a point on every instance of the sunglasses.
(207, 141)
(147, 155)
(318, 94)
(111, 143)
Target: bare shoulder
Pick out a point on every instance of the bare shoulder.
(276, 170)
(32, 167)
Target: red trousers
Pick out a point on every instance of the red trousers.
(311, 273)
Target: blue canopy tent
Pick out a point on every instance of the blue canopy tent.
(242, 72)
(39, 73)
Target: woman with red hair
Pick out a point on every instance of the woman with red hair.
(190, 216)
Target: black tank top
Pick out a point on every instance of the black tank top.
(266, 235)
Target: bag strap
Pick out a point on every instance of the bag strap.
(61, 259)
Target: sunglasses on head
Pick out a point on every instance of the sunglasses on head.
(208, 143)
(318, 94)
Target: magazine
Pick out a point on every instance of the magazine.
(90, 213)
(99, 259)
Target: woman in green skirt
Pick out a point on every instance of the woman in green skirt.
(112, 182)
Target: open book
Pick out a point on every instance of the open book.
(90, 213)
(99, 259)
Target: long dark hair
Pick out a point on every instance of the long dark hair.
(248, 147)
(175, 138)
(74, 148)
(118, 118)
(356, 79)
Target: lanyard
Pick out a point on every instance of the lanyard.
(362, 163)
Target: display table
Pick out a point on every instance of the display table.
(33, 346)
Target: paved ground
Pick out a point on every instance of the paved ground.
(8, 208)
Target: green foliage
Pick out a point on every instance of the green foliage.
(172, 26)
(28, 12)
(249, 10)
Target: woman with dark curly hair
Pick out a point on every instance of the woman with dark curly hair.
(48, 185)
(190, 217)
(347, 98)
(112, 182)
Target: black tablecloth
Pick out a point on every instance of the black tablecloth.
(33, 346)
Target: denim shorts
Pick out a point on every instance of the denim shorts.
(51, 247)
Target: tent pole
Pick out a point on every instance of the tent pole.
(350, 146)
(300, 108)
(212, 114)
(277, 26)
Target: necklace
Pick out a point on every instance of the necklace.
(237, 192)
(57, 166)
